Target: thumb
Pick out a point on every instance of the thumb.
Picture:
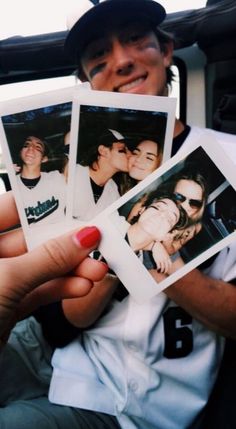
(52, 259)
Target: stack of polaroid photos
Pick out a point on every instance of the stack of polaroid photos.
(79, 157)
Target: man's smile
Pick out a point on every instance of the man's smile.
(131, 85)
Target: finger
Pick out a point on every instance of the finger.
(91, 269)
(12, 243)
(54, 291)
(53, 259)
(63, 288)
(167, 266)
(9, 215)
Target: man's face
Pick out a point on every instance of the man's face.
(190, 195)
(118, 157)
(159, 218)
(127, 60)
(32, 152)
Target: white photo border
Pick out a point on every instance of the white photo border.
(20, 105)
(118, 254)
(88, 97)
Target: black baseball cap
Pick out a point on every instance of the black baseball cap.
(88, 20)
(111, 136)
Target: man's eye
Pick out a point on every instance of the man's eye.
(98, 54)
(98, 51)
(135, 36)
(96, 69)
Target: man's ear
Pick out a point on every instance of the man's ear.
(103, 151)
(167, 52)
(45, 159)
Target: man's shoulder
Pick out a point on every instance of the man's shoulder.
(226, 140)
(81, 169)
(54, 173)
(52, 176)
(196, 132)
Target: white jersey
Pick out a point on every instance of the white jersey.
(151, 365)
(227, 141)
(84, 206)
(46, 202)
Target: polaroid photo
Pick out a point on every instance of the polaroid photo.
(118, 139)
(174, 220)
(34, 135)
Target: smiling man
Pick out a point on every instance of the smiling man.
(137, 366)
(43, 193)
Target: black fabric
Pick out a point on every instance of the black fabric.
(57, 330)
(30, 183)
(97, 190)
(179, 140)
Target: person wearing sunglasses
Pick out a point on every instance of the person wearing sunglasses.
(189, 189)
(190, 194)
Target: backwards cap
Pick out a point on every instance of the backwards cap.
(110, 136)
(87, 22)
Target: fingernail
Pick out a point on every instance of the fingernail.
(87, 237)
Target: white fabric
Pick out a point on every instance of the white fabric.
(128, 363)
(227, 141)
(46, 202)
(85, 207)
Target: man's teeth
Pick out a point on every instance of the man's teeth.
(131, 85)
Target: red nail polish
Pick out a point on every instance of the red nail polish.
(88, 236)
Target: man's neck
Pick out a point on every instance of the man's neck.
(101, 174)
(178, 128)
(29, 172)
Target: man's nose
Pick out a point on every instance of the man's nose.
(187, 207)
(122, 58)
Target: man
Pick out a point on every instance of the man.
(43, 193)
(140, 366)
(100, 162)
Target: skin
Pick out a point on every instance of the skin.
(127, 61)
(110, 161)
(32, 155)
(117, 157)
(144, 159)
(190, 190)
(23, 275)
(175, 241)
(153, 224)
